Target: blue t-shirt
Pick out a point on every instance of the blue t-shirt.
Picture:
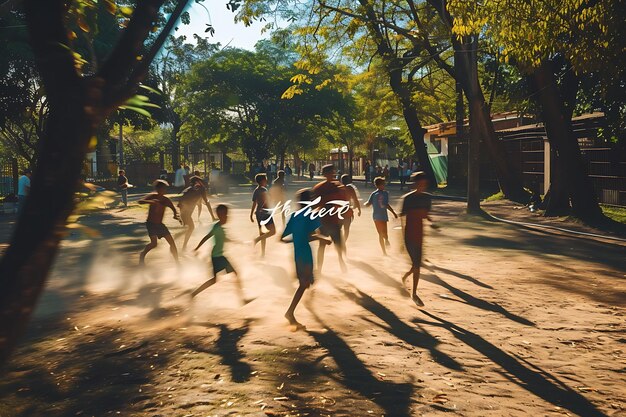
(379, 201)
(301, 227)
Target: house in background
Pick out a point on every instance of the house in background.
(445, 147)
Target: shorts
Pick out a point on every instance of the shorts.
(334, 231)
(414, 250)
(304, 272)
(157, 229)
(220, 263)
(264, 215)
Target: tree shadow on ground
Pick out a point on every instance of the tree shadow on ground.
(432, 267)
(475, 301)
(380, 276)
(106, 380)
(393, 397)
(537, 381)
(542, 245)
(400, 329)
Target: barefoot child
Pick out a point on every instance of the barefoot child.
(353, 198)
(218, 259)
(379, 200)
(260, 204)
(278, 192)
(415, 206)
(192, 196)
(330, 190)
(302, 227)
(156, 229)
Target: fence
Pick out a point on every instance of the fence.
(9, 176)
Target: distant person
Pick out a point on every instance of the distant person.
(386, 173)
(273, 170)
(352, 194)
(379, 200)
(311, 171)
(416, 206)
(402, 174)
(366, 170)
(191, 196)
(329, 190)
(218, 260)
(260, 208)
(186, 176)
(372, 174)
(23, 189)
(156, 229)
(278, 191)
(123, 185)
(179, 178)
(303, 229)
(288, 173)
(200, 202)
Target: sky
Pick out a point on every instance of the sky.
(227, 32)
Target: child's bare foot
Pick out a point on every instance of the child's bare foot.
(247, 300)
(418, 301)
(405, 277)
(293, 322)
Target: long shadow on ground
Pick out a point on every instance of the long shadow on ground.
(400, 329)
(477, 302)
(393, 397)
(537, 382)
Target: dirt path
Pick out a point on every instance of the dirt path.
(516, 323)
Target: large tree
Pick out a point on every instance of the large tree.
(79, 101)
(556, 43)
(247, 99)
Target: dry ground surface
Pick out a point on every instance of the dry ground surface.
(517, 322)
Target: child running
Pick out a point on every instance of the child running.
(353, 198)
(278, 192)
(415, 206)
(218, 259)
(260, 204)
(156, 229)
(330, 190)
(190, 198)
(302, 228)
(379, 200)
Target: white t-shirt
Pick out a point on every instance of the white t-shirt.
(22, 184)
(179, 178)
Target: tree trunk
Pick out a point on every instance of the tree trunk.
(412, 121)
(24, 266)
(473, 145)
(350, 164)
(175, 142)
(481, 124)
(570, 178)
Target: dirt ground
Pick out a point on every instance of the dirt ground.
(517, 323)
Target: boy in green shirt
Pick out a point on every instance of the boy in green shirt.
(218, 259)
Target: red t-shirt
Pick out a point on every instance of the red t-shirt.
(328, 191)
(415, 207)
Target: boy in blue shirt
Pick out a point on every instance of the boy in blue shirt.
(302, 227)
(379, 200)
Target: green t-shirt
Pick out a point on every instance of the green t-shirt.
(220, 237)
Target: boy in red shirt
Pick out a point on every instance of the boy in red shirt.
(415, 207)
